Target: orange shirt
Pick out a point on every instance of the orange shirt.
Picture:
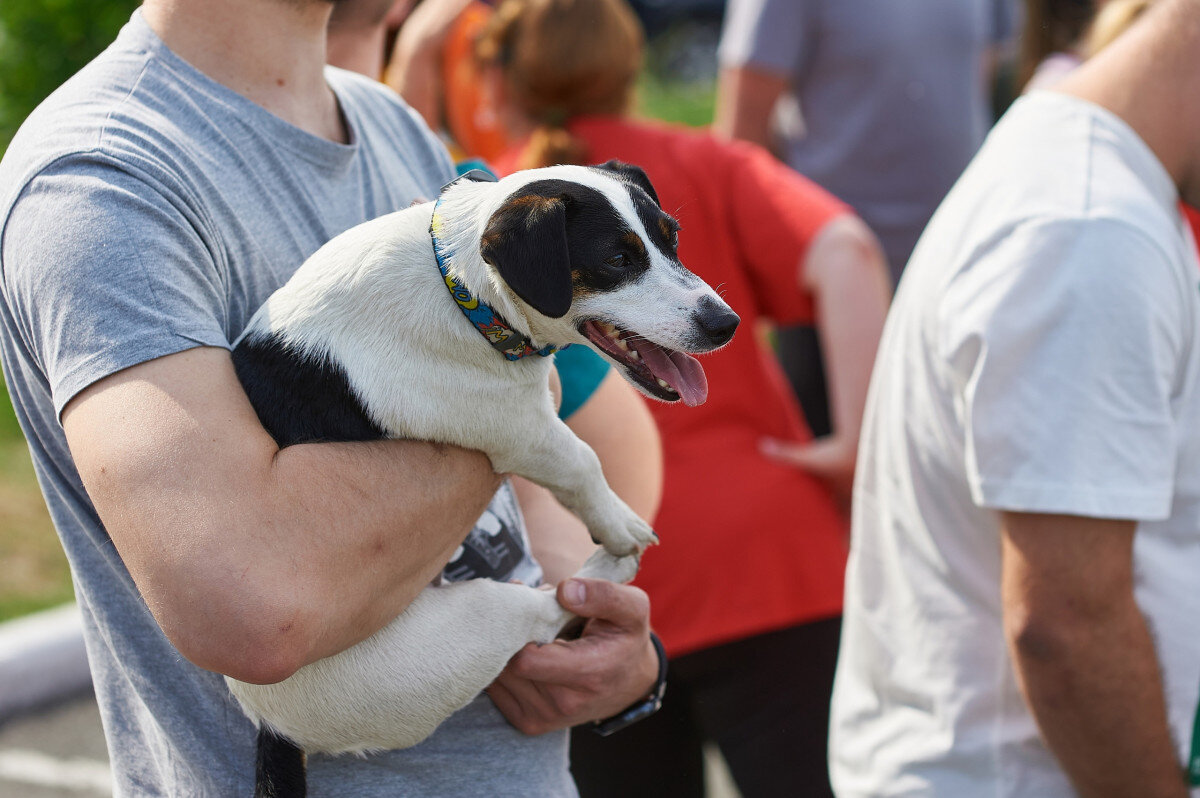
(747, 545)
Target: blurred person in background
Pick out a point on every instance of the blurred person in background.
(148, 207)
(1113, 19)
(1021, 602)
(1059, 35)
(746, 584)
(1052, 40)
(882, 104)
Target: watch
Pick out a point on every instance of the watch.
(644, 708)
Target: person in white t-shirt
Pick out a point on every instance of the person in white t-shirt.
(1023, 594)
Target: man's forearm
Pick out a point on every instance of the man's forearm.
(381, 521)
(746, 99)
(846, 272)
(1098, 700)
(1084, 656)
(256, 560)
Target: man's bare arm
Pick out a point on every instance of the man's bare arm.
(847, 274)
(1084, 656)
(256, 560)
(746, 99)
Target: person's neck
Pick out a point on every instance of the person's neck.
(358, 49)
(1150, 77)
(270, 51)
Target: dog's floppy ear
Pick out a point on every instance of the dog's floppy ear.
(635, 175)
(526, 242)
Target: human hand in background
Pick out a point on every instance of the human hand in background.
(830, 459)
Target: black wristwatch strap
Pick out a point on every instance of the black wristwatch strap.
(644, 708)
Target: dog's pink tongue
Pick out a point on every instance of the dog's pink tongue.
(681, 371)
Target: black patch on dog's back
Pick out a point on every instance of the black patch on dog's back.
(300, 399)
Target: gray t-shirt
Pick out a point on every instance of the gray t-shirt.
(146, 209)
(893, 96)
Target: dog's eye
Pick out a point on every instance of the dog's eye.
(673, 239)
(617, 261)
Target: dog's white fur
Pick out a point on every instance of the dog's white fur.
(373, 300)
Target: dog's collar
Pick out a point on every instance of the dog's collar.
(504, 339)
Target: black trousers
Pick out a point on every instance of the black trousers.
(764, 701)
(799, 353)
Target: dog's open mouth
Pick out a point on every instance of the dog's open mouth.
(663, 373)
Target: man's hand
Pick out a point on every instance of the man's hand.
(830, 459)
(569, 682)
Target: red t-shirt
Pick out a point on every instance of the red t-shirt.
(1192, 215)
(747, 545)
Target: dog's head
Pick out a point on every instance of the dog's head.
(590, 256)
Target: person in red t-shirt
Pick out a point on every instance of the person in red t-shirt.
(746, 586)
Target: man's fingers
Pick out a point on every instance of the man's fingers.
(826, 457)
(624, 606)
(805, 455)
(576, 663)
(529, 706)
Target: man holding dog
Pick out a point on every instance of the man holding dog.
(147, 209)
(1022, 604)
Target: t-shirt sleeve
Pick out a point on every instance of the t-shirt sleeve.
(1064, 340)
(580, 370)
(775, 214)
(103, 271)
(773, 35)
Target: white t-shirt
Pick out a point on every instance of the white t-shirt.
(1042, 355)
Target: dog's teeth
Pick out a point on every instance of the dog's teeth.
(621, 343)
(663, 384)
(634, 354)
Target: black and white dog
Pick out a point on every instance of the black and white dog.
(418, 325)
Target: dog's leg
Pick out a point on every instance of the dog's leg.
(562, 463)
(602, 565)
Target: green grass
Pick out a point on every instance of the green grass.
(675, 101)
(33, 569)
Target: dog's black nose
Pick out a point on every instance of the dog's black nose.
(716, 321)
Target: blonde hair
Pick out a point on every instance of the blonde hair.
(1114, 18)
(561, 59)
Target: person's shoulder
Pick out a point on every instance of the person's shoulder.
(101, 113)
(367, 97)
(1056, 156)
(358, 88)
(385, 120)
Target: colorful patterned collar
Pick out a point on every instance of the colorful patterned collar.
(504, 339)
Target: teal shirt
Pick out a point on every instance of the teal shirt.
(581, 371)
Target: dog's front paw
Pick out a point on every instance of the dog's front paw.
(603, 565)
(621, 533)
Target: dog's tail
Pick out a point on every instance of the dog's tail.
(279, 769)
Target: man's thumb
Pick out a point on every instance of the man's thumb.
(622, 605)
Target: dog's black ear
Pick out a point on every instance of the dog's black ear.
(635, 175)
(526, 241)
